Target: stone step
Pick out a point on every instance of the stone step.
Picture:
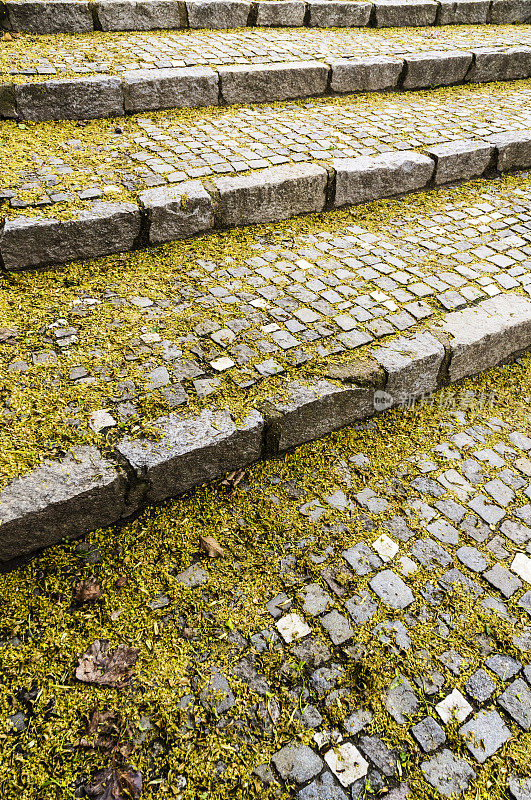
(291, 66)
(245, 345)
(78, 16)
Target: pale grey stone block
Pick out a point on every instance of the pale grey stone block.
(436, 69)
(217, 13)
(412, 365)
(513, 150)
(404, 13)
(59, 500)
(61, 16)
(460, 160)
(287, 14)
(193, 451)
(510, 12)
(267, 83)
(307, 411)
(177, 211)
(27, 242)
(360, 180)
(141, 15)
(273, 194)
(491, 64)
(463, 12)
(338, 14)
(368, 74)
(82, 98)
(488, 334)
(184, 87)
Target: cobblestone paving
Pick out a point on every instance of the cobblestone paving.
(113, 53)
(62, 168)
(112, 343)
(366, 632)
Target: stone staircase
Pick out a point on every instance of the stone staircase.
(152, 137)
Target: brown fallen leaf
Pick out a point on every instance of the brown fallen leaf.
(233, 479)
(7, 336)
(211, 547)
(107, 669)
(103, 730)
(88, 590)
(115, 783)
(122, 581)
(6, 37)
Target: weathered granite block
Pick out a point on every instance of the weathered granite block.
(360, 180)
(288, 14)
(193, 451)
(80, 98)
(338, 14)
(177, 211)
(60, 500)
(307, 411)
(141, 15)
(488, 334)
(368, 74)
(463, 12)
(513, 150)
(264, 83)
(510, 12)
(7, 101)
(184, 87)
(412, 364)
(436, 69)
(273, 194)
(61, 16)
(404, 13)
(460, 160)
(217, 13)
(27, 242)
(491, 64)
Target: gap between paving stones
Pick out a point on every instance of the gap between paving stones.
(76, 16)
(142, 90)
(88, 489)
(270, 195)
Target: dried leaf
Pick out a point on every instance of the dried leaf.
(103, 730)
(88, 590)
(113, 783)
(122, 581)
(233, 479)
(107, 669)
(6, 37)
(211, 547)
(7, 336)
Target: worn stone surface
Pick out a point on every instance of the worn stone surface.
(448, 774)
(297, 762)
(82, 98)
(193, 451)
(61, 16)
(487, 335)
(485, 734)
(271, 195)
(398, 13)
(509, 12)
(254, 83)
(460, 160)
(217, 13)
(369, 74)
(514, 150)
(60, 500)
(290, 13)
(362, 179)
(186, 87)
(338, 14)
(177, 212)
(109, 228)
(412, 365)
(436, 69)
(140, 15)
(491, 64)
(516, 701)
(463, 12)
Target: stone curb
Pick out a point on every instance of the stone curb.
(140, 90)
(81, 16)
(197, 206)
(87, 490)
